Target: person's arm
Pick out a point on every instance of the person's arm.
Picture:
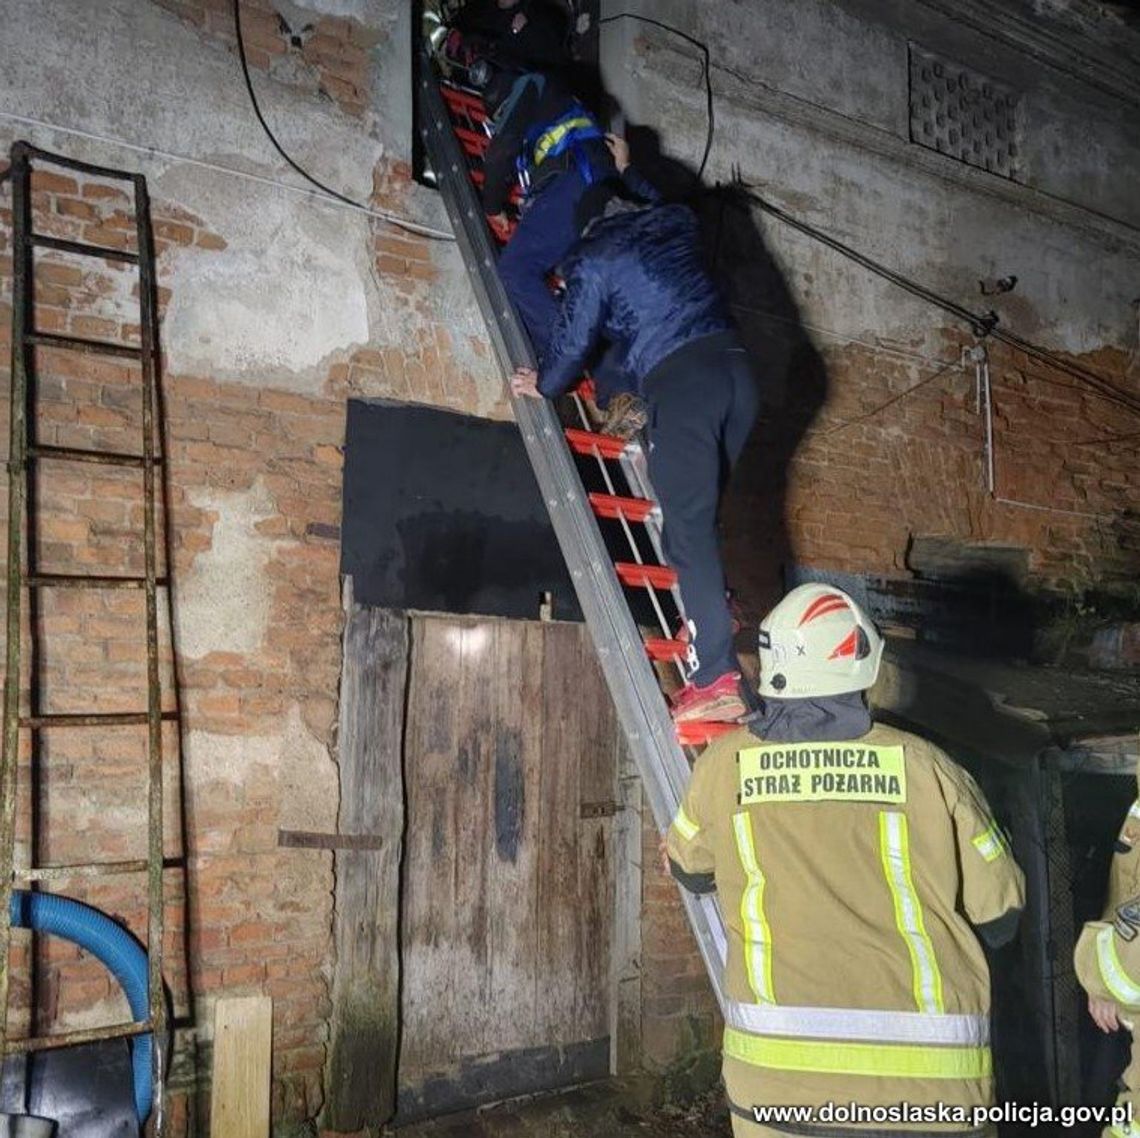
(688, 841)
(993, 886)
(577, 329)
(632, 178)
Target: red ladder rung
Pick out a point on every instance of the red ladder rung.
(616, 507)
(588, 442)
(472, 142)
(665, 651)
(647, 576)
(463, 103)
(698, 734)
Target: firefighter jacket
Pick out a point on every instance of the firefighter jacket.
(849, 875)
(1107, 956)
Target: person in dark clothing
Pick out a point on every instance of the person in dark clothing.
(541, 131)
(637, 280)
(527, 35)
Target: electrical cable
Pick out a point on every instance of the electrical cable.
(982, 324)
(892, 401)
(392, 219)
(706, 65)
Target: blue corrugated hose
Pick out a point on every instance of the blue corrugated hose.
(124, 957)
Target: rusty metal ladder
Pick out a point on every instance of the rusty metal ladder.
(25, 450)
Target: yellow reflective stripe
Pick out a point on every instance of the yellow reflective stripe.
(757, 934)
(1116, 980)
(685, 826)
(894, 848)
(882, 1060)
(990, 843)
(546, 142)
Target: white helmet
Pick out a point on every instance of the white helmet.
(817, 642)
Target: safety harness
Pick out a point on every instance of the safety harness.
(567, 133)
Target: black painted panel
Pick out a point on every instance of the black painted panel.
(442, 513)
(494, 1078)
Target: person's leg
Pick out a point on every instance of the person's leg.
(546, 233)
(687, 411)
(743, 409)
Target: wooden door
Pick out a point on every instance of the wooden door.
(510, 757)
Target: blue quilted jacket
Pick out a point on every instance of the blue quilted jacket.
(637, 281)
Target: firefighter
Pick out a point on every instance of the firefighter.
(525, 34)
(1107, 960)
(856, 866)
(637, 281)
(544, 137)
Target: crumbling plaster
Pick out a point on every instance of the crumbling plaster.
(828, 142)
(295, 288)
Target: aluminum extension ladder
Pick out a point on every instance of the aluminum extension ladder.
(453, 124)
(24, 451)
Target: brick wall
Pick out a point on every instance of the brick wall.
(327, 54)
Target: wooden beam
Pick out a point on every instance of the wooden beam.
(625, 952)
(361, 1071)
(239, 1098)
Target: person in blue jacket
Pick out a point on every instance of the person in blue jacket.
(637, 280)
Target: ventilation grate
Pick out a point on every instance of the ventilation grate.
(963, 114)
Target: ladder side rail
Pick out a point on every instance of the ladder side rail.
(148, 326)
(637, 698)
(22, 363)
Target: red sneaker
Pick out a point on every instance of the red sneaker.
(718, 702)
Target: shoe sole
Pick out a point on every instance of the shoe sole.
(726, 710)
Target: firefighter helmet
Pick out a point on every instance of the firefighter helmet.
(817, 642)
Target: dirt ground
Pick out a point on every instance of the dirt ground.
(613, 1109)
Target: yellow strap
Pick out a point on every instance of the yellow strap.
(882, 1060)
(551, 138)
(894, 849)
(990, 843)
(757, 934)
(685, 826)
(1112, 972)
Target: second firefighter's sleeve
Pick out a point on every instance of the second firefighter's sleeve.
(1107, 957)
(993, 886)
(689, 839)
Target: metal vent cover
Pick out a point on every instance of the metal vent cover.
(963, 114)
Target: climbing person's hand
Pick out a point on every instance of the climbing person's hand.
(500, 225)
(1104, 1014)
(525, 382)
(619, 148)
(663, 856)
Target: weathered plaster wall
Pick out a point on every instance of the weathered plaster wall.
(276, 306)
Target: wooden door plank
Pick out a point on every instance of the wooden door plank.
(361, 1072)
(514, 839)
(596, 788)
(429, 927)
(239, 1086)
(558, 900)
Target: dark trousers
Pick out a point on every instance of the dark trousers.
(702, 404)
(547, 231)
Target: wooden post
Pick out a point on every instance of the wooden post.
(363, 1051)
(239, 1087)
(625, 954)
